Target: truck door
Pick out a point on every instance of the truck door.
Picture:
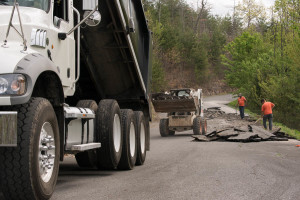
(63, 51)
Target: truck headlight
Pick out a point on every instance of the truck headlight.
(3, 85)
(12, 84)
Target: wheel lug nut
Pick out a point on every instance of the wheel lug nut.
(51, 147)
(50, 156)
(49, 137)
(43, 157)
(43, 148)
(45, 140)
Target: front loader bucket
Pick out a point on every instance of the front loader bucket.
(166, 103)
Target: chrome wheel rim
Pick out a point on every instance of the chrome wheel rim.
(132, 139)
(117, 133)
(46, 152)
(142, 138)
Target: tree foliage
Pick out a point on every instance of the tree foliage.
(257, 53)
(267, 65)
(187, 39)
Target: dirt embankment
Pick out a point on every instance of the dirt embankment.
(178, 77)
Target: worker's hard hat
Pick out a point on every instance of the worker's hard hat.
(240, 94)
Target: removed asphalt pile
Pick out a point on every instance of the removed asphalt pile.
(236, 133)
(250, 133)
(213, 112)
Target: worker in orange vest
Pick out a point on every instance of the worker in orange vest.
(241, 103)
(266, 113)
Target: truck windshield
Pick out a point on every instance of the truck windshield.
(183, 93)
(40, 4)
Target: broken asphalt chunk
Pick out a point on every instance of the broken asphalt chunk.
(241, 128)
(211, 134)
(278, 139)
(227, 133)
(243, 137)
(200, 138)
(262, 133)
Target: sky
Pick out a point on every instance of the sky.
(222, 7)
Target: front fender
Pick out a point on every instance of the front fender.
(32, 65)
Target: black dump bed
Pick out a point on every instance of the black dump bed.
(118, 61)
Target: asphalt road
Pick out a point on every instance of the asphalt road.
(177, 168)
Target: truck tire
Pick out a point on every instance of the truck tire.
(129, 149)
(197, 126)
(25, 169)
(109, 133)
(141, 137)
(164, 127)
(171, 132)
(204, 125)
(87, 158)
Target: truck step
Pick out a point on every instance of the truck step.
(78, 113)
(84, 147)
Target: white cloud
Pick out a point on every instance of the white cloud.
(222, 7)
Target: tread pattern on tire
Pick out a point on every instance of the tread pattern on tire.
(125, 162)
(139, 117)
(164, 127)
(105, 159)
(197, 126)
(14, 162)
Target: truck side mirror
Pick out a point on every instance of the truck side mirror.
(95, 21)
(92, 20)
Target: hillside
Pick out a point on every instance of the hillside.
(255, 51)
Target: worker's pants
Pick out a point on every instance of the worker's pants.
(242, 112)
(268, 117)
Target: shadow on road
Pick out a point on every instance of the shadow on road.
(84, 172)
(157, 137)
(69, 168)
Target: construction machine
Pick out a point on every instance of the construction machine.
(184, 108)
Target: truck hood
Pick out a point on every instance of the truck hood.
(10, 56)
(28, 15)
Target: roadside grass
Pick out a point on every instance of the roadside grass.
(291, 132)
(255, 116)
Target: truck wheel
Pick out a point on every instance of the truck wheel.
(109, 133)
(171, 132)
(197, 126)
(141, 137)
(129, 149)
(164, 127)
(204, 126)
(30, 170)
(87, 158)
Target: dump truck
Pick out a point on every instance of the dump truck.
(184, 108)
(75, 78)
